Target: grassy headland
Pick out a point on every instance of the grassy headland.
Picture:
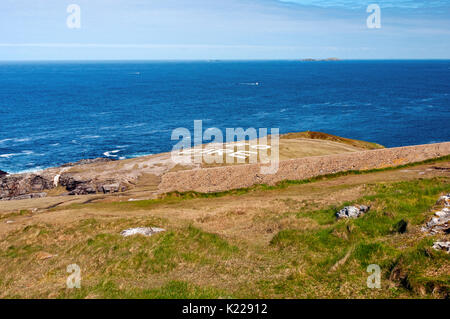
(280, 241)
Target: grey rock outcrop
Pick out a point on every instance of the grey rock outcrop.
(33, 185)
(440, 222)
(442, 245)
(23, 186)
(352, 211)
(146, 231)
(89, 161)
(27, 196)
(111, 188)
(91, 186)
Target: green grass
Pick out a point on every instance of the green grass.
(172, 290)
(330, 137)
(328, 259)
(156, 254)
(373, 239)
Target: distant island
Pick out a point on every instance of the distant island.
(317, 60)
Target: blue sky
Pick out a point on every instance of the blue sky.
(223, 29)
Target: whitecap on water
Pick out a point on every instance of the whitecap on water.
(110, 153)
(31, 170)
(16, 140)
(139, 155)
(250, 83)
(134, 125)
(5, 140)
(9, 155)
(16, 154)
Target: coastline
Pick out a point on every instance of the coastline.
(302, 155)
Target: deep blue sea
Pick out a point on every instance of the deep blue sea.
(57, 112)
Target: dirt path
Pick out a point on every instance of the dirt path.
(230, 216)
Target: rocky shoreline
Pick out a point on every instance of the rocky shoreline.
(36, 185)
(106, 176)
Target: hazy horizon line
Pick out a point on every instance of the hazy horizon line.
(227, 59)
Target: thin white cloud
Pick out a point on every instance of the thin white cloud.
(141, 45)
(354, 4)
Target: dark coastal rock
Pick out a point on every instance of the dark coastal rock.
(111, 188)
(11, 186)
(26, 186)
(76, 186)
(84, 189)
(2, 173)
(91, 187)
(38, 183)
(28, 196)
(23, 186)
(89, 161)
(69, 182)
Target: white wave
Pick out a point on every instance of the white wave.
(16, 140)
(9, 155)
(134, 125)
(262, 114)
(250, 83)
(16, 154)
(31, 170)
(99, 114)
(110, 153)
(89, 136)
(5, 140)
(108, 127)
(139, 155)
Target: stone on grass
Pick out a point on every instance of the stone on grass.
(146, 231)
(352, 211)
(442, 245)
(445, 199)
(42, 255)
(439, 223)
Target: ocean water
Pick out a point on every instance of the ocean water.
(57, 112)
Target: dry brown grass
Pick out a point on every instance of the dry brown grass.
(219, 247)
(334, 138)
